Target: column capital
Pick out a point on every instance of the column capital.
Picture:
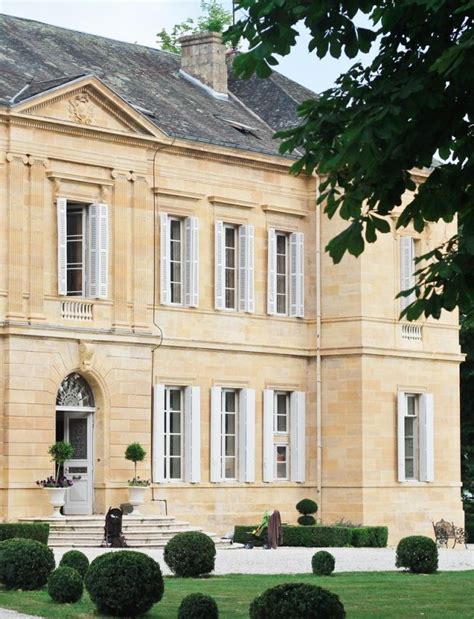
(17, 157)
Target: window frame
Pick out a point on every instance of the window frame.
(414, 437)
(75, 207)
(171, 219)
(286, 462)
(235, 434)
(286, 236)
(236, 268)
(276, 414)
(167, 457)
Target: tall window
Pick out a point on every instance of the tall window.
(179, 252)
(282, 409)
(285, 273)
(411, 436)
(281, 461)
(75, 239)
(415, 437)
(407, 269)
(230, 266)
(173, 433)
(230, 407)
(176, 260)
(281, 428)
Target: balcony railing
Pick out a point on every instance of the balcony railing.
(412, 332)
(76, 310)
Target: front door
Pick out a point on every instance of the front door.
(78, 430)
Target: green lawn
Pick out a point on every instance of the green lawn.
(447, 595)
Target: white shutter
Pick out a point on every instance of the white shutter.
(216, 403)
(61, 206)
(271, 294)
(246, 269)
(192, 434)
(267, 431)
(191, 280)
(297, 436)
(158, 445)
(164, 259)
(247, 435)
(402, 407)
(93, 254)
(407, 269)
(297, 274)
(426, 438)
(219, 265)
(103, 251)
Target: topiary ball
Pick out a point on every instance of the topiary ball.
(77, 560)
(298, 601)
(417, 553)
(65, 585)
(307, 506)
(323, 563)
(306, 521)
(198, 606)
(190, 554)
(25, 564)
(124, 583)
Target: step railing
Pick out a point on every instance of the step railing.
(77, 310)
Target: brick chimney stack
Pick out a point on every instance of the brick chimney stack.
(203, 58)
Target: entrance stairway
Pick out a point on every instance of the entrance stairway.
(139, 531)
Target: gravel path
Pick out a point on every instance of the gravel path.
(237, 560)
(12, 614)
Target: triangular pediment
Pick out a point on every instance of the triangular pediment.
(90, 103)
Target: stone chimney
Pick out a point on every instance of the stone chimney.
(203, 58)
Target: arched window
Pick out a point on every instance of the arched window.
(75, 392)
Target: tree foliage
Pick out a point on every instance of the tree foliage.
(367, 134)
(214, 18)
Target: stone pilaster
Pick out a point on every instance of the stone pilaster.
(120, 253)
(16, 236)
(140, 254)
(37, 238)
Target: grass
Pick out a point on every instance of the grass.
(376, 595)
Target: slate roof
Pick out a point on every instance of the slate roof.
(39, 57)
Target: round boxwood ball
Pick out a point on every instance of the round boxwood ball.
(77, 560)
(306, 521)
(298, 601)
(190, 554)
(198, 606)
(124, 583)
(65, 585)
(323, 563)
(25, 564)
(307, 506)
(417, 553)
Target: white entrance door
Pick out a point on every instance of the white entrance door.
(78, 430)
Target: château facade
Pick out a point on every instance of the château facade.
(163, 280)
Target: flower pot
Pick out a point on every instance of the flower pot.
(136, 497)
(57, 498)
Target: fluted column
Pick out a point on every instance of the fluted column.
(121, 259)
(37, 238)
(141, 235)
(16, 237)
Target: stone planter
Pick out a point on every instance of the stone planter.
(136, 497)
(57, 498)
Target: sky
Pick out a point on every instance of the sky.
(138, 22)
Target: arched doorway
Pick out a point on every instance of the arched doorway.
(75, 424)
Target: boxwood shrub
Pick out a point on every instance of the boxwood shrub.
(417, 553)
(65, 585)
(25, 564)
(77, 560)
(198, 606)
(298, 601)
(319, 536)
(38, 531)
(190, 554)
(125, 583)
(323, 563)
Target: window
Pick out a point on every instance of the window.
(285, 273)
(176, 434)
(173, 433)
(82, 249)
(232, 435)
(407, 269)
(229, 434)
(283, 435)
(281, 462)
(415, 437)
(234, 279)
(179, 251)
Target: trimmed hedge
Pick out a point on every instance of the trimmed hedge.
(323, 563)
(39, 531)
(298, 601)
(198, 606)
(65, 585)
(77, 560)
(190, 554)
(319, 536)
(25, 564)
(417, 553)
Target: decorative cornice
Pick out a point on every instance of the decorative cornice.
(285, 210)
(224, 201)
(177, 193)
(79, 178)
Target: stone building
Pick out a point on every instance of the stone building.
(163, 280)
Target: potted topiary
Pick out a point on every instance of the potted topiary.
(306, 508)
(57, 485)
(136, 486)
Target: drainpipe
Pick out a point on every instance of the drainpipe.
(319, 445)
